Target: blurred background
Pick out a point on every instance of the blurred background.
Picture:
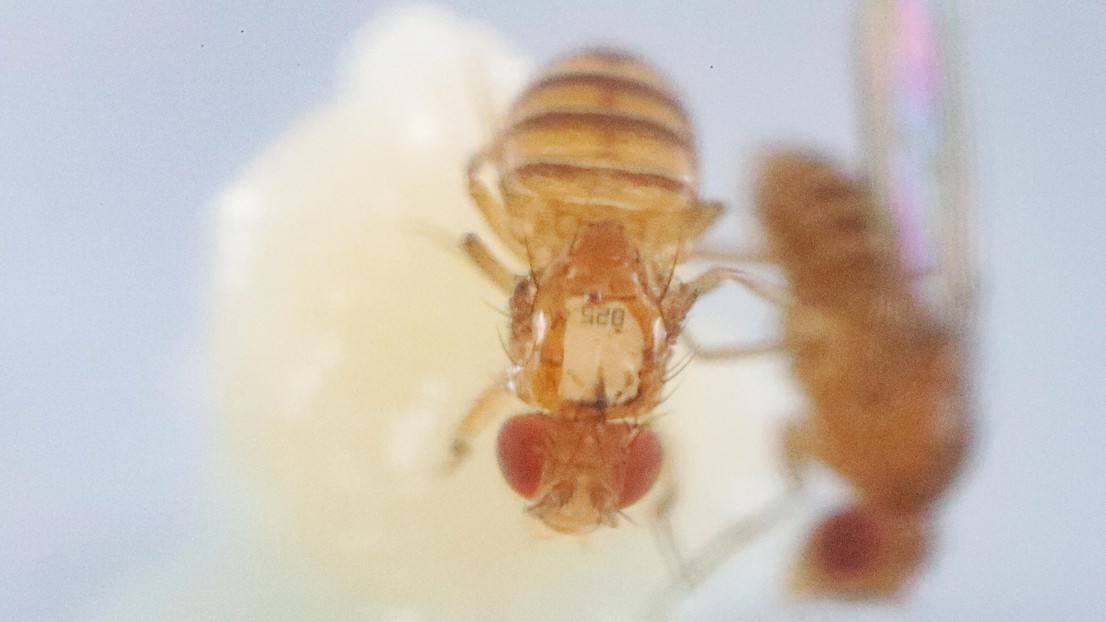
(120, 122)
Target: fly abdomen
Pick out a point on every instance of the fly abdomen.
(823, 230)
(599, 135)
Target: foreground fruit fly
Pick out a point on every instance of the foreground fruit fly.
(881, 279)
(593, 184)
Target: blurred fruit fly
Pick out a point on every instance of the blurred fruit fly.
(593, 182)
(878, 322)
(891, 391)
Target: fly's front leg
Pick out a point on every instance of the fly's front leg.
(661, 521)
(494, 403)
(711, 280)
(738, 536)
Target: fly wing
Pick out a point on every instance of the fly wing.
(916, 147)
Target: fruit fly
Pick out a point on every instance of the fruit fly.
(879, 311)
(890, 387)
(594, 185)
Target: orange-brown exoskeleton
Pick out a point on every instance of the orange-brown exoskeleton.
(592, 182)
(882, 327)
(879, 312)
(887, 381)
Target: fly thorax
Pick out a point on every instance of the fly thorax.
(604, 349)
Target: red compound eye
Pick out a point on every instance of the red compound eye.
(848, 542)
(521, 451)
(642, 464)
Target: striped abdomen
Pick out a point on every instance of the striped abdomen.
(884, 380)
(599, 135)
(824, 232)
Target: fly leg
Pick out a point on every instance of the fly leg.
(495, 402)
(726, 255)
(495, 214)
(739, 535)
(730, 352)
(484, 188)
(662, 521)
(484, 259)
(711, 280)
(730, 541)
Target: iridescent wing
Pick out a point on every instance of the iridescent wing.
(916, 147)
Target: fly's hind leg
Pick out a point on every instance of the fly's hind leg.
(495, 214)
(494, 403)
(711, 280)
(485, 189)
(661, 522)
(488, 263)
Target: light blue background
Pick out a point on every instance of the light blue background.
(119, 121)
